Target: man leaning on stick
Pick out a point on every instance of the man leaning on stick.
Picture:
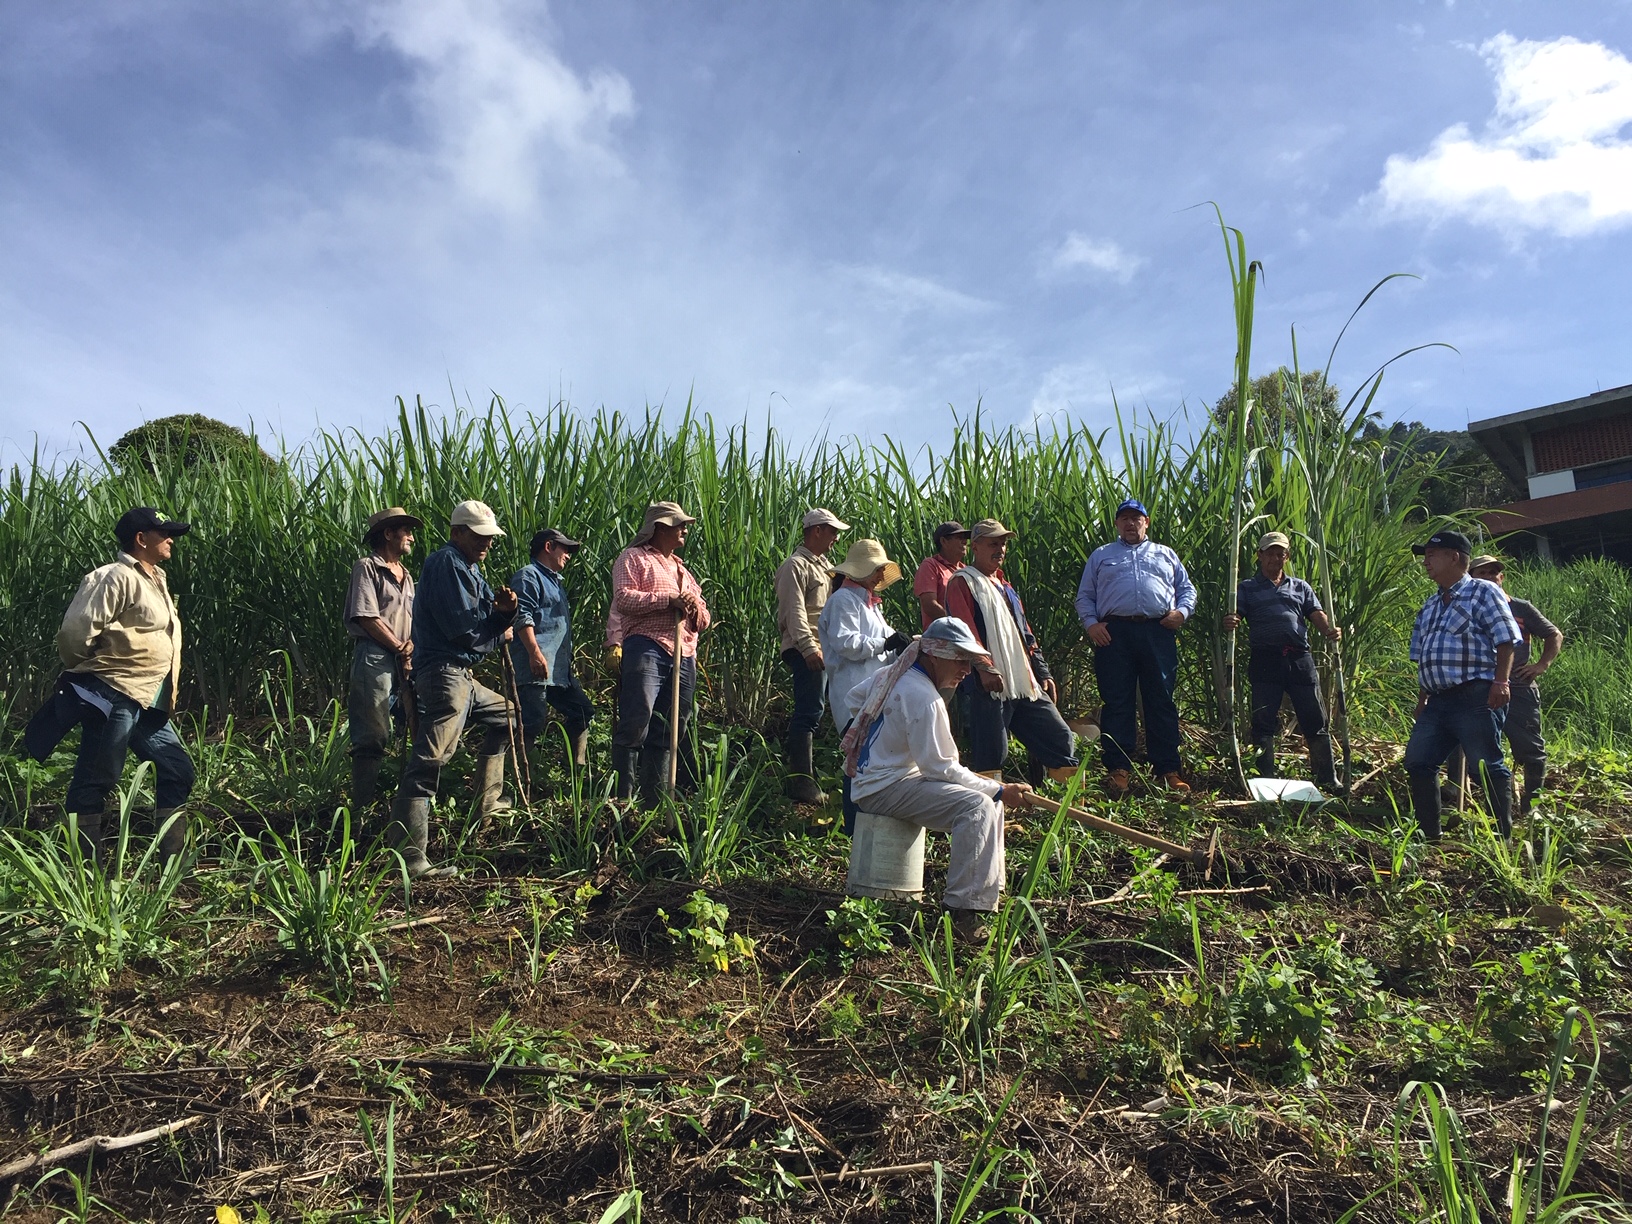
(542, 647)
(802, 587)
(380, 620)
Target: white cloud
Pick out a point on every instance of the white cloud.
(499, 102)
(899, 291)
(1551, 157)
(1079, 252)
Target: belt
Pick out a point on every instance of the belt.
(1129, 620)
(1465, 684)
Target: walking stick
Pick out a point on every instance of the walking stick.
(674, 701)
(1197, 856)
(512, 715)
(409, 700)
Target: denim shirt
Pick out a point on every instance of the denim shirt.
(1145, 579)
(1275, 615)
(454, 618)
(542, 603)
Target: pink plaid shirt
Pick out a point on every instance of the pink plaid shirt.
(643, 582)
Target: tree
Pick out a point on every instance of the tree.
(1274, 402)
(193, 436)
(1466, 478)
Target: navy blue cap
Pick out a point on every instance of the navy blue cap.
(1445, 539)
(1133, 503)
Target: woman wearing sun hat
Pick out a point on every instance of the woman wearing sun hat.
(856, 640)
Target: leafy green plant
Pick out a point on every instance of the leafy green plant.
(1524, 1009)
(706, 935)
(859, 926)
(95, 919)
(710, 826)
(327, 917)
(985, 1163)
(1276, 1010)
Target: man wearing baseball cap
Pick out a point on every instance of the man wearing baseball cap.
(1462, 644)
(1275, 606)
(951, 542)
(542, 646)
(1014, 692)
(651, 588)
(1133, 599)
(379, 616)
(802, 587)
(120, 645)
(458, 619)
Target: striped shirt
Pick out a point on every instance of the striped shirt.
(643, 582)
(1457, 633)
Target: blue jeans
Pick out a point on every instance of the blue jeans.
(568, 699)
(104, 740)
(1458, 716)
(1141, 656)
(1036, 724)
(808, 691)
(644, 694)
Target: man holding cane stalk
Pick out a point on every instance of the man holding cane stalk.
(379, 619)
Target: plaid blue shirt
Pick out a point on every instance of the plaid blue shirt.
(1457, 633)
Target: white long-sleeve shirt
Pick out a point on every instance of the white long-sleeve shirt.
(852, 633)
(912, 739)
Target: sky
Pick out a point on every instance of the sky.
(855, 218)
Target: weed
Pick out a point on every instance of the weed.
(859, 926)
(706, 936)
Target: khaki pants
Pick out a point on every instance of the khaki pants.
(449, 698)
(975, 822)
(368, 704)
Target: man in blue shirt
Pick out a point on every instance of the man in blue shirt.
(1133, 599)
(542, 646)
(1463, 646)
(457, 620)
(1275, 606)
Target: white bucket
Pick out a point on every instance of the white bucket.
(886, 858)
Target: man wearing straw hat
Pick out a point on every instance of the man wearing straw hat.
(855, 638)
(1133, 599)
(379, 619)
(653, 593)
(1275, 606)
(903, 763)
(458, 619)
(120, 645)
(802, 586)
(541, 649)
(1013, 693)
(1462, 644)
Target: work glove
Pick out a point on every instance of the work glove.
(897, 642)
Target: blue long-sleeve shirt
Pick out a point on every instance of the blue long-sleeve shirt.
(1145, 579)
(454, 617)
(541, 601)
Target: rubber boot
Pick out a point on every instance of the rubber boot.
(172, 832)
(580, 748)
(1535, 777)
(490, 784)
(623, 763)
(365, 782)
(801, 784)
(91, 845)
(654, 775)
(1500, 799)
(1425, 803)
(1321, 764)
(1266, 756)
(413, 836)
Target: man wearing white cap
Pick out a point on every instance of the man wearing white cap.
(457, 620)
(651, 586)
(903, 763)
(802, 586)
(1275, 606)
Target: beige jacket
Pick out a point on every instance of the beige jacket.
(803, 582)
(123, 627)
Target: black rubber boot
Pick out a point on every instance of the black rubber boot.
(1425, 803)
(654, 775)
(91, 845)
(171, 827)
(623, 763)
(1321, 765)
(365, 782)
(1266, 756)
(801, 784)
(1499, 795)
(1535, 778)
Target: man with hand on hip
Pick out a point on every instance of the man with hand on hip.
(1462, 644)
(1133, 599)
(379, 617)
(541, 649)
(802, 587)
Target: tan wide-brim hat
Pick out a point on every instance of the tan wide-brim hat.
(668, 514)
(478, 517)
(863, 561)
(990, 529)
(390, 518)
(1484, 559)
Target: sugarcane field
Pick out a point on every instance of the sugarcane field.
(904, 614)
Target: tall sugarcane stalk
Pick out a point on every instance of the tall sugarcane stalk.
(1244, 284)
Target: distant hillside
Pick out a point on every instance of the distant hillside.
(1468, 478)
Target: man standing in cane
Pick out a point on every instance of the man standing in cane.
(542, 648)
(458, 619)
(1463, 645)
(652, 590)
(380, 620)
(802, 587)
(1133, 599)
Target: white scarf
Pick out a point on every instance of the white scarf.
(1002, 637)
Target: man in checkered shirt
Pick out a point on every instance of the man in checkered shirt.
(1463, 646)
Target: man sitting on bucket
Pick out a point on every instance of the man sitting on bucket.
(902, 763)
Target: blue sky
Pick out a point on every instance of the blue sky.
(847, 215)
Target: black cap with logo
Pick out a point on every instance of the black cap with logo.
(551, 536)
(145, 518)
(1445, 539)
